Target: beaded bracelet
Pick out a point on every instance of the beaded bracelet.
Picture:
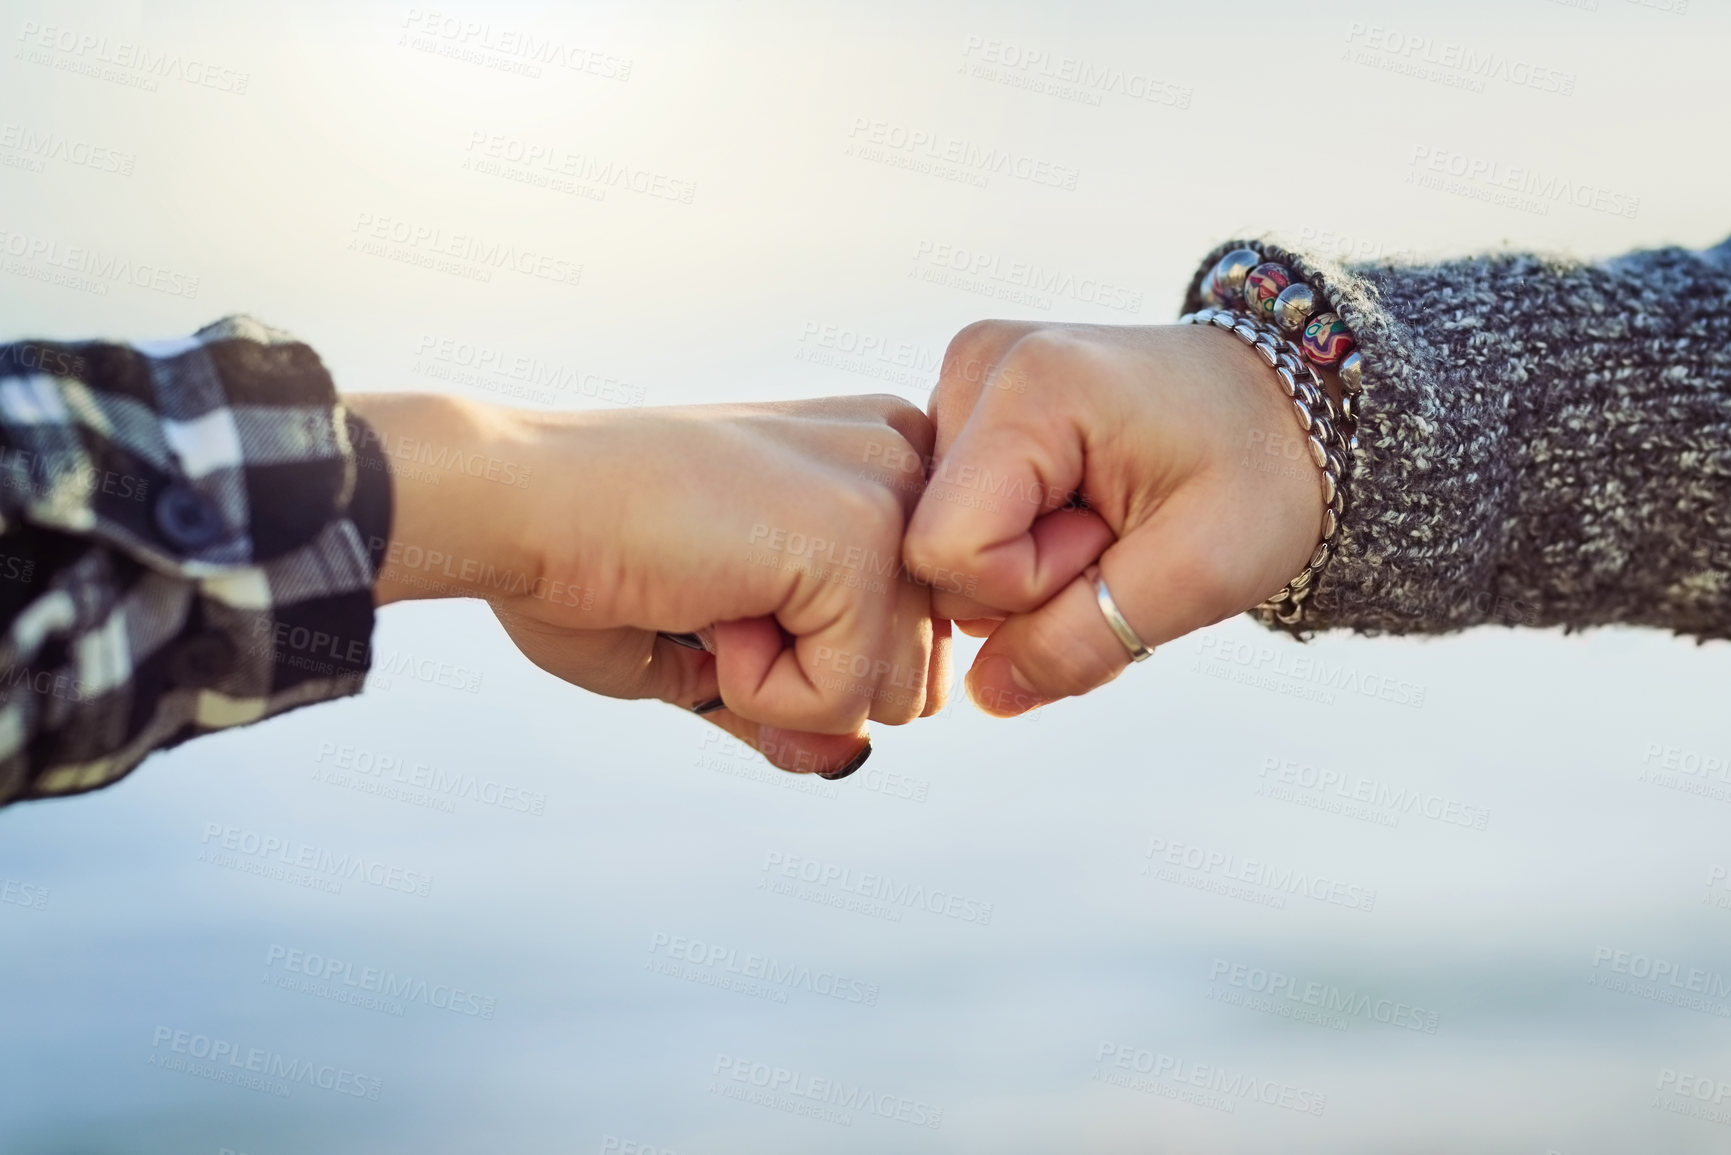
(1278, 305)
(1268, 291)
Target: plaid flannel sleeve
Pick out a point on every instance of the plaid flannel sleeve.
(186, 544)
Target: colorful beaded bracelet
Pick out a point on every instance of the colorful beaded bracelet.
(1269, 292)
(1326, 437)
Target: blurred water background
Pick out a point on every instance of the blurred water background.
(1366, 896)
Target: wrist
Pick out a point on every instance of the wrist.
(461, 474)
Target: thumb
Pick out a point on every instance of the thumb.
(990, 512)
(1175, 573)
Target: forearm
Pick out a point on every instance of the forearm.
(462, 476)
(1542, 443)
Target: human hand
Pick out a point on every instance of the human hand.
(1164, 432)
(765, 526)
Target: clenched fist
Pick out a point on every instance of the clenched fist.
(1146, 449)
(774, 531)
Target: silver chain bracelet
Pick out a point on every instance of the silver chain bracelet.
(1329, 436)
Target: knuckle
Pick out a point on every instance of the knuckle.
(973, 352)
(927, 546)
(975, 337)
(892, 406)
(1043, 353)
(878, 513)
(889, 459)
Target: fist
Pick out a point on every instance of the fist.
(1143, 449)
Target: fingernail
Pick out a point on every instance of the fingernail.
(708, 707)
(858, 761)
(991, 695)
(689, 641)
(1022, 683)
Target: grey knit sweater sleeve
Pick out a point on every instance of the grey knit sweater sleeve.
(1543, 442)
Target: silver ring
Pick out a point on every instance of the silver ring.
(1138, 649)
